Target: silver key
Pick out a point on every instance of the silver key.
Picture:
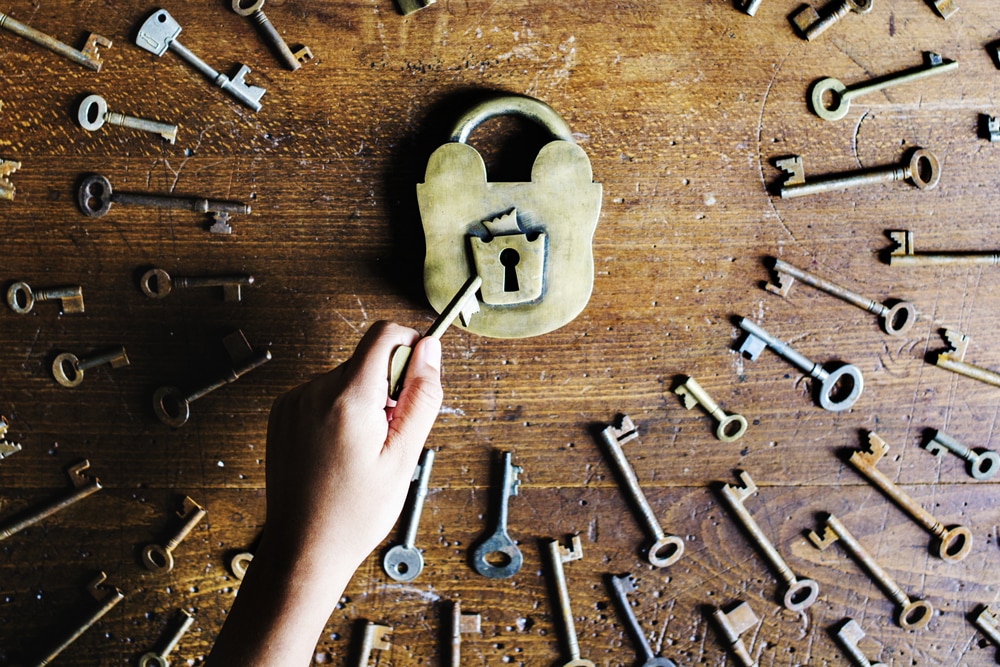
(621, 586)
(255, 10)
(68, 370)
(7, 189)
(461, 624)
(158, 658)
(558, 555)
(954, 360)
(983, 463)
(160, 559)
(902, 254)
(730, 426)
(21, 298)
(88, 56)
(734, 623)
(848, 635)
(809, 23)
(922, 169)
(107, 601)
(159, 33)
(666, 549)
(830, 396)
(988, 623)
(376, 638)
(751, 7)
(6, 448)
(83, 486)
(404, 562)
(157, 284)
(93, 114)
(497, 556)
(409, 6)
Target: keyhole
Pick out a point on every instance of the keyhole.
(510, 259)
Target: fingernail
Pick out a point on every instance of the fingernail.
(432, 352)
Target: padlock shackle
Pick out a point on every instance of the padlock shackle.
(511, 105)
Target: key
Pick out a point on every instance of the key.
(409, 6)
(896, 319)
(809, 23)
(751, 7)
(106, 602)
(902, 254)
(95, 197)
(923, 169)
(734, 623)
(160, 559)
(621, 586)
(292, 59)
(848, 635)
(88, 56)
(730, 427)
(666, 549)
(465, 304)
(557, 556)
(404, 562)
(7, 189)
(376, 638)
(989, 624)
(239, 563)
(910, 615)
(953, 360)
(842, 96)
(6, 448)
(159, 33)
(21, 298)
(799, 593)
(953, 544)
(173, 407)
(945, 8)
(497, 556)
(830, 396)
(992, 125)
(461, 624)
(157, 284)
(83, 486)
(983, 463)
(158, 658)
(68, 370)
(93, 114)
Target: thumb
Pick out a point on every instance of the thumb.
(420, 399)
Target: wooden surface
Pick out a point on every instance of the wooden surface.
(682, 108)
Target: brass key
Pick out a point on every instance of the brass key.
(21, 298)
(88, 57)
(107, 603)
(160, 559)
(68, 370)
(903, 254)
(954, 360)
(912, 170)
(83, 486)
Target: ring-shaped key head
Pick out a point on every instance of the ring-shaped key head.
(817, 99)
(915, 615)
(726, 432)
(66, 370)
(255, 6)
(665, 551)
(833, 396)
(92, 112)
(403, 563)
(956, 543)
(156, 283)
(157, 559)
(20, 298)
(506, 557)
(801, 595)
(239, 563)
(985, 466)
(94, 196)
(658, 662)
(171, 407)
(153, 660)
(900, 318)
(579, 662)
(860, 6)
(925, 180)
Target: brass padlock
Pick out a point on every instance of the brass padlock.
(529, 242)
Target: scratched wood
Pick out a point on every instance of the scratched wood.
(683, 109)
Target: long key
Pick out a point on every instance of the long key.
(988, 623)
(88, 56)
(404, 562)
(910, 615)
(809, 23)
(497, 556)
(83, 486)
(983, 463)
(799, 593)
(68, 370)
(558, 555)
(666, 549)
(842, 96)
(734, 623)
(6, 448)
(160, 559)
(255, 10)
(830, 396)
(913, 170)
(376, 638)
(93, 114)
(729, 427)
(621, 586)
(158, 658)
(157, 284)
(461, 624)
(159, 33)
(21, 298)
(902, 254)
(953, 544)
(848, 635)
(896, 319)
(954, 360)
(107, 602)
(465, 303)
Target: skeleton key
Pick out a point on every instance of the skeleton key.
(376, 638)
(461, 623)
(952, 360)
(809, 23)
(68, 370)
(983, 463)
(107, 603)
(621, 586)
(88, 57)
(896, 320)
(902, 254)
(558, 555)
(989, 624)
(954, 543)
(506, 557)
(255, 10)
(159, 658)
(830, 396)
(93, 114)
(7, 189)
(83, 486)
(734, 623)
(910, 615)
(666, 549)
(6, 448)
(157, 284)
(465, 303)
(842, 95)
(21, 298)
(404, 562)
(409, 6)
(848, 635)
(925, 179)
(799, 593)
(159, 33)
(160, 559)
(730, 427)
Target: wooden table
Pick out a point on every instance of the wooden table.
(683, 108)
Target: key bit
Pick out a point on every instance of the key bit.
(946, 8)
(988, 623)
(461, 623)
(734, 623)
(848, 635)
(6, 448)
(954, 360)
(7, 189)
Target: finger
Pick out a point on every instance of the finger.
(419, 400)
(368, 367)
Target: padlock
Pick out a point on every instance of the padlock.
(531, 242)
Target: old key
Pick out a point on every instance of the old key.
(403, 562)
(497, 556)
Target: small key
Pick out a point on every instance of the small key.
(983, 463)
(404, 562)
(896, 319)
(730, 426)
(910, 615)
(68, 370)
(461, 624)
(173, 407)
(88, 56)
(465, 303)
(621, 586)
(946, 8)
(988, 623)
(159, 33)
(666, 549)
(93, 114)
(292, 59)
(557, 556)
(107, 601)
(830, 396)
(992, 127)
(6, 448)
(21, 298)
(376, 638)
(497, 556)
(83, 486)
(7, 189)
(158, 658)
(160, 559)
(913, 170)
(239, 563)
(809, 23)
(157, 284)
(848, 635)
(953, 544)
(409, 6)
(842, 95)
(751, 7)
(953, 360)
(734, 623)
(902, 254)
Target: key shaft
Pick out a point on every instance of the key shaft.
(557, 556)
(461, 624)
